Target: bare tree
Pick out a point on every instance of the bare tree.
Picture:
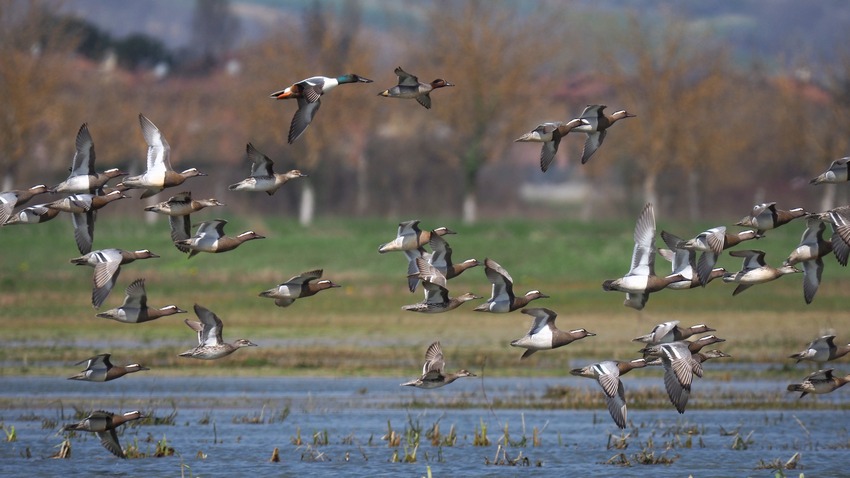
(214, 30)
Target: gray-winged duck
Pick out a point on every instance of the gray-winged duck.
(309, 92)
(17, 197)
(433, 372)
(159, 173)
(813, 247)
(411, 237)
(209, 237)
(210, 344)
(550, 135)
(104, 424)
(135, 310)
(608, 374)
(641, 280)
(755, 271)
(671, 331)
(83, 177)
(298, 287)
(712, 243)
(437, 298)
(822, 349)
(595, 123)
(32, 215)
(263, 178)
(441, 258)
(107, 266)
(822, 381)
(837, 173)
(409, 86)
(178, 208)
(502, 298)
(100, 369)
(765, 216)
(684, 263)
(544, 335)
(83, 209)
(839, 218)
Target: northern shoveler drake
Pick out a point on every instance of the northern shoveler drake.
(210, 344)
(104, 424)
(502, 298)
(410, 87)
(550, 135)
(712, 243)
(83, 209)
(100, 369)
(595, 123)
(433, 372)
(765, 216)
(436, 294)
(159, 174)
(608, 374)
(178, 209)
(813, 247)
(837, 173)
(83, 177)
(107, 265)
(17, 197)
(209, 237)
(135, 310)
(641, 279)
(309, 93)
(544, 335)
(263, 178)
(822, 381)
(755, 271)
(671, 331)
(298, 287)
(822, 350)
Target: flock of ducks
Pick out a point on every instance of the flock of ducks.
(667, 345)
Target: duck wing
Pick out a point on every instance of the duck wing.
(159, 152)
(261, 165)
(302, 118)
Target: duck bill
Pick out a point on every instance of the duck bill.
(526, 137)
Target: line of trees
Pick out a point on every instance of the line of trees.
(710, 134)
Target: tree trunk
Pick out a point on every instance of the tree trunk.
(307, 208)
(650, 192)
(362, 204)
(693, 195)
(470, 208)
(827, 201)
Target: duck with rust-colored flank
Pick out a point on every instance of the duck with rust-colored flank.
(107, 265)
(712, 243)
(502, 298)
(17, 197)
(104, 424)
(822, 350)
(178, 208)
(298, 287)
(684, 263)
(595, 123)
(83, 209)
(433, 372)
(410, 87)
(159, 174)
(765, 216)
(32, 215)
(135, 308)
(671, 331)
(813, 247)
(263, 178)
(755, 271)
(437, 298)
(641, 279)
(83, 177)
(309, 92)
(411, 237)
(210, 344)
(100, 369)
(822, 381)
(210, 237)
(837, 173)
(550, 135)
(544, 335)
(608, 374)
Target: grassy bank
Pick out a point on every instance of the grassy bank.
(48, 322)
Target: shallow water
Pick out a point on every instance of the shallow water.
(354, 414)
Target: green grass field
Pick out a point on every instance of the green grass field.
(48, 322)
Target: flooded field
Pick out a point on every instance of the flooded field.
(370, 427)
